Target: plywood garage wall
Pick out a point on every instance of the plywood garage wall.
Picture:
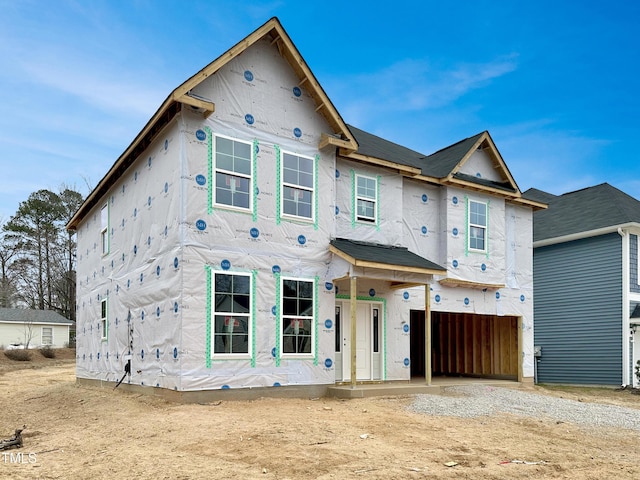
(477, 345)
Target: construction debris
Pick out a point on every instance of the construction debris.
(13, 442)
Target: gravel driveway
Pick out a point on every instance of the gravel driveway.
(478, 400)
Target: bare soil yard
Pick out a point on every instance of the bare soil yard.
(77, 432)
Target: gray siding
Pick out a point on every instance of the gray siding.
(633, 264)
(578, 311)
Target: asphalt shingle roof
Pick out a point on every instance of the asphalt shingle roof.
(438, 164)
(374, 146)
(441, 163)
(538, 195)
(584, 210)
(386, 254)
(23, 315)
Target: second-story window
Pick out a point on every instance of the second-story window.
(366, 198)
(477, 226)
(297, 186)
(104, 229)
(233, 167)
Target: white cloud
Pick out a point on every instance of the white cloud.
(106, 90)
(413, 85)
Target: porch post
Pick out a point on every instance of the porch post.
(427, 334)
(352, 313)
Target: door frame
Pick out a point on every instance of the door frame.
(376, 359)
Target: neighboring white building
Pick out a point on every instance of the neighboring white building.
(37, 327)
(247, 228)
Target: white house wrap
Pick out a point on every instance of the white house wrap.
(221, 249)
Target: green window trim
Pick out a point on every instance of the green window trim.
(280, 216)
(354, 201)
(211, 171)
(278, 322)
(220, 357)
(279, 354)
(104, 320)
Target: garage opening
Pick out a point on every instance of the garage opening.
(466, 345)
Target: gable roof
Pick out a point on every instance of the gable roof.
(442, 167)
(275, 33)
(375, 147)
(593, 210)
(29, 315)
(538, 195)
(443, 162)
(386, 257)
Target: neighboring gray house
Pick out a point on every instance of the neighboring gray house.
(586, 286)
(38, 327)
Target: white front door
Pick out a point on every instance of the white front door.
(367, 347)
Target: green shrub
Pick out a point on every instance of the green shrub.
(48, 352)
(19, 355)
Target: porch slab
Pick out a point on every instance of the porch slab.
(413, 387)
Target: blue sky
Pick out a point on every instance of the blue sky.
(553, 82)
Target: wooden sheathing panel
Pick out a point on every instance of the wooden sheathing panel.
(475, 345)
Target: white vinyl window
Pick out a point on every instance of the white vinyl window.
(477, 226)
(297, 314)
(297, 186)
(47, 336)
(366, 198)
(103, 319)
(231, 312)
(104, 229)
(233, 172)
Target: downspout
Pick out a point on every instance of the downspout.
(626, 380)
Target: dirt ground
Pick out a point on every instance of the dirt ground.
(77, 432)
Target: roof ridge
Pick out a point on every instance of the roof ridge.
(457, 143)
(591, 187)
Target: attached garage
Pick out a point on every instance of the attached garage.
(466, 345)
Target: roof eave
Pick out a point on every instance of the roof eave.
(405, 170)
(529, 203)
(621, 229)
(182, 94)
(512, 197)
(383, 266)
(98, 190)
(456, 282)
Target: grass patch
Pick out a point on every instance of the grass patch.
(18, 355)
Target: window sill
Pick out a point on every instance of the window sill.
(221, 357)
